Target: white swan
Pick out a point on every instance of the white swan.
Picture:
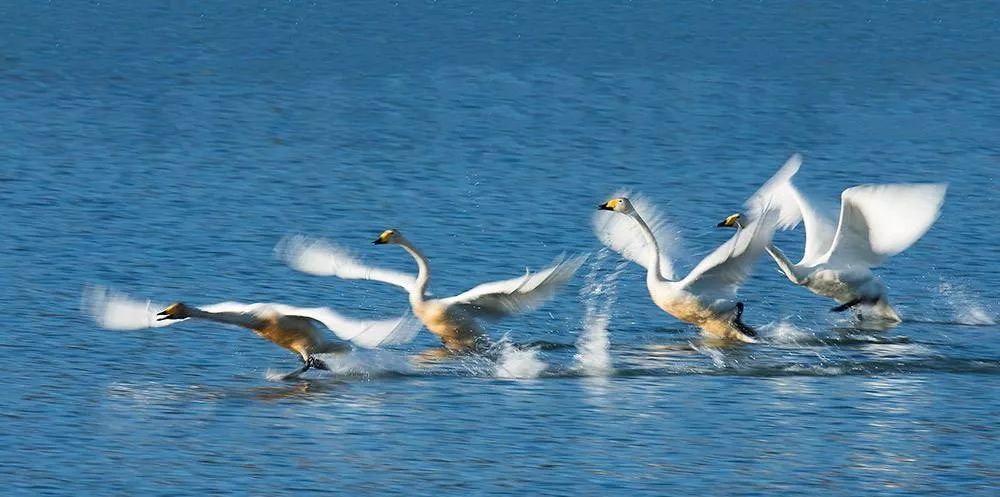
(292, 328)
(453, 319)
(876, 222)
(707, 295)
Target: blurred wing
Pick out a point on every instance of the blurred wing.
(820, 231)
(725, 268)
(791, 207)
(363, 333)
(116, 311)
(779, 192)
(497, 299)
(880, 221)
(320, 258)
(623, 235)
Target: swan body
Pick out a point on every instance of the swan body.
(454, 320)
(298, 330)
(706, 297)
(875, 223)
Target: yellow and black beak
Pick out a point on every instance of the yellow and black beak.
(383, 238)
(729, 222)
(165, 315)
(610, 205)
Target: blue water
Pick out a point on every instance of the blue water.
(164, 150)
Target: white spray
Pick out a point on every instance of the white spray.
(599, 295)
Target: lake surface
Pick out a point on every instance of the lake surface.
(164, 151)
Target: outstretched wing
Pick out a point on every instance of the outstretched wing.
(318, 257)
(497, 299)
(880, 221)
(779, 193)
(623, 235)
(363, 333)
(722, 271)
(791, 207)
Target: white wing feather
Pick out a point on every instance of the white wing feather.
(623, 235)
(726, 267)
(497, 299)
(116, 311)
(880, 221)
(318, 257)
(791, 208)
(780, 194)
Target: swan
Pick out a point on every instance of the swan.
(876, 222)
(292, 328)
(706, 297)
(454, 320)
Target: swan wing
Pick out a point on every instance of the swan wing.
(721, 271)
(779, 193)
(318, 257)
(820, 230)
(880, 221)
(497, 299)
(363, 333)
(791, 207)
(623, 235)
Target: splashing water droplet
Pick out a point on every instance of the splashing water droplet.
(599, 295)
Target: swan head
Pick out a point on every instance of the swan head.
(618, 204)
(174, 311)
(388, 236)
(732, 221)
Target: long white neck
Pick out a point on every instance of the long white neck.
(423, 273)
(786, 266)
(245, 320)
(653, 274)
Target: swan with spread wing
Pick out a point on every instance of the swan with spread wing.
(455, 320)
(876, 222)
(706, 297)
(296, 329)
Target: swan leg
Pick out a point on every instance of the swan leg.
(298, 372)
(307, 363)
(740, 325)
(847, 305)
(316, 363)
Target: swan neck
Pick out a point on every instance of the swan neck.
(653, 272)
(418, 291)
(245, 320)
(786, 266)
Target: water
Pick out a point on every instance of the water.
(164, 151)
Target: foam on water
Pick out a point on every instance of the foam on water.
(966, 307)
(365, 363)
(518, 363)
(784, 332)
(599, 295)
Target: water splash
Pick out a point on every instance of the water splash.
(363, 363)
(599, 295)
(518, 363)
(966, 307)
(783, 332)
(117, 311)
